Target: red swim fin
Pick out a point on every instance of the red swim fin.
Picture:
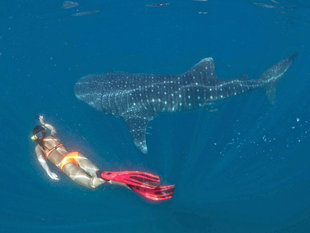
(146, 184)
(134, 178)
(157, 194)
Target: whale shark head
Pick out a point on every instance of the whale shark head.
(89, 91)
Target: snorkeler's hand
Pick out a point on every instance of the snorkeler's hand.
(53, 176)
(41, 119)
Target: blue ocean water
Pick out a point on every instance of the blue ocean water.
(243, 168)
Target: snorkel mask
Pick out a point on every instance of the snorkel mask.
(38, 133)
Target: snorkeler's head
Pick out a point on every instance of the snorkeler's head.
(38, 133)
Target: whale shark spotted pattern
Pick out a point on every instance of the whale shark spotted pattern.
(138, 98)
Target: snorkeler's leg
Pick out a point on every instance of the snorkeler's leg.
(87, 165)
(79, 176)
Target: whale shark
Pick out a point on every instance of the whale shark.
(138, 98)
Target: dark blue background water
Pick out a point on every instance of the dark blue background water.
(244, 168)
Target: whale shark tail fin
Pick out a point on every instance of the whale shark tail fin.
(272, 75)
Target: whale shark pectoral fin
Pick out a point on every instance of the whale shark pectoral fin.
(137, 127)
(205, 68)
(271, 92)
(212, 107)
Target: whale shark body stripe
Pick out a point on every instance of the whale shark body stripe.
(138, 98)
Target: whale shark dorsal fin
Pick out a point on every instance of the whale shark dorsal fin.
(205, 68)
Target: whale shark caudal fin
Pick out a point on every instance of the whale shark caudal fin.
(272, 75)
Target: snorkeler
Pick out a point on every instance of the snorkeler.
(84, 172)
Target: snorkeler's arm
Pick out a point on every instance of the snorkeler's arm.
(43, 163)
(50, 127)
